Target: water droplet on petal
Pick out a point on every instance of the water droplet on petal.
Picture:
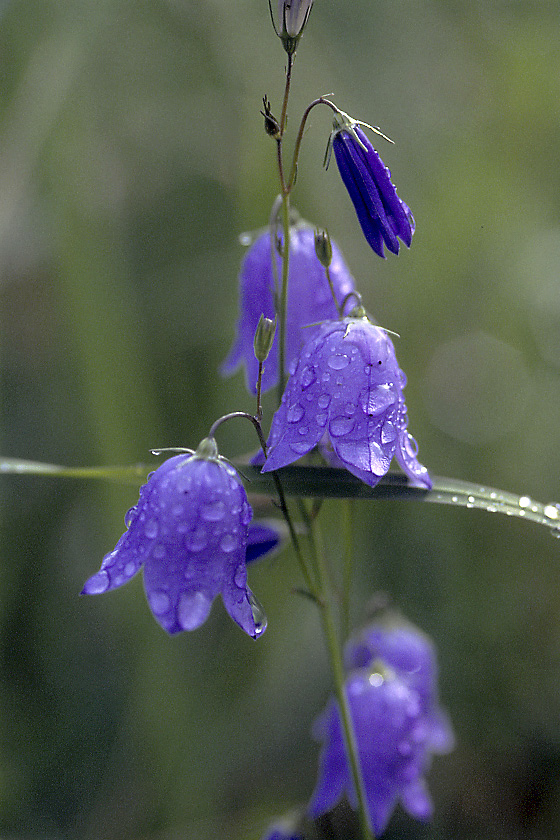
(388, 432)
(213, 511)
(159, 552)
(341, 426)
(193, 610)
(295, 413)
(300, 448)
(240, 576)
(259, 615)
(228, 543)
(303, 430)
(197, 540)
(97, 584)
(307, 377)
(151, 529)
(323, 401)
(130, 568)
(322, 418)
(338, 362)
(129, 516)
(159, 601)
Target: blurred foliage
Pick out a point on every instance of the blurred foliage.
(131, 156)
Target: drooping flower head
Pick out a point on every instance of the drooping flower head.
(347, 388)
(412, 655)
(189, 531)
(383, 216)
(398, 724)
(309, 300)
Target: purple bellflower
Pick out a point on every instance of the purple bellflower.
(395, 742)
(309, 301)
(412, 655)
(383, 216)
(189, 531)
(347, 391)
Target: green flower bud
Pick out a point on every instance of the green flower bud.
(264, 337)
(323, 247)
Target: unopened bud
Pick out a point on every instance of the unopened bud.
(291, 20)
(264, 337)
(323, 247)
(271, 124)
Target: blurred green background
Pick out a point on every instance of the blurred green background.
(131, 156)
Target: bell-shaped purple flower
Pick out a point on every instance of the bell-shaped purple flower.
(347, 388)
(395, 741)
(412, 655)
(383, 216)
(189, 531)
(309, 300)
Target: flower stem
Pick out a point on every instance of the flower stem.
(325, 601)
(283, 310)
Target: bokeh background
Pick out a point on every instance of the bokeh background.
(131, 156)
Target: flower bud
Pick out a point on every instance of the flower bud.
(291, 20)
(323, 247)
(264, 337)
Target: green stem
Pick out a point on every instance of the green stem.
(325, 601)
(348, 566)
(283, 312)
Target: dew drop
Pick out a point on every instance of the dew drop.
(303, 430)
(159, 601)
(129, 569)
(338, 362)
(454, 499)
(228, 543)
(375, 679)
(97, 584)
(193, 610)
(129, 516)
(197, 540)
(151, 529)
(552, 512)
(524, 502)
(259, 615)
(159, 552)
(240, 577)
(213, 511)
(321, 418)
(341, 426)
(308, 377)
(295, 413)
(300, 448)
(323, 401)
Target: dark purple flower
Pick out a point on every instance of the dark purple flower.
(189, 532)
(309, 301)
(347, 387)
(394, 741)
(384, 217)
(412, 655)
(263, 538)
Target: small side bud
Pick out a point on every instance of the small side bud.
(271, 124)
(323, 247)
(264, 337)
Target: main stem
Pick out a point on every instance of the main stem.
(324, 598)
(319, 583)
